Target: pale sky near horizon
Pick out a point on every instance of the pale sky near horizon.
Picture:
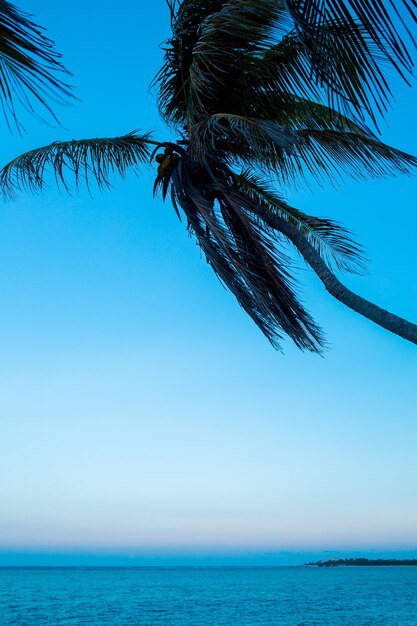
(141, 411)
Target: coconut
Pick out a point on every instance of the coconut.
(168, 151)
(175, 158)
(166, 163)
(161, 171)
(159, 157)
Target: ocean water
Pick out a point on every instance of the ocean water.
(293, 596)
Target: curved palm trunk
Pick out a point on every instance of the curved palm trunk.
(376, 314)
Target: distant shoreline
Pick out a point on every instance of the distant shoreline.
(359, 562)
(362, 562)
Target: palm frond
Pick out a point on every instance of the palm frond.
(285, 68)
(330, 239)
(352, 84)
(208, 39)
(375, 33)
(260, 79)
(287, 153)
(173, 7)
(245, 258)
(328, 153)
(295, 113)
(76, 161)
(239, 137)
(190, 13)
(223, 52)
(229, 39)
(29, 66)
(172, 81)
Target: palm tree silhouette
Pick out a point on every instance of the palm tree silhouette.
(260, 94)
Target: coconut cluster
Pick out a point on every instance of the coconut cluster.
(167, 160)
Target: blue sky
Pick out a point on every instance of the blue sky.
(143, 415)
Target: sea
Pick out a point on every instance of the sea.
(198, 596)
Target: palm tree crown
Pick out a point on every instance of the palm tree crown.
(259, 91)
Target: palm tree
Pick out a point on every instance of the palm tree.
(29, 67)
(259, 94)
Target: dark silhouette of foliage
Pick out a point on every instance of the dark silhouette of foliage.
(258, 91)
(29, 66)
(363, 562)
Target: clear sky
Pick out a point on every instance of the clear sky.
(143, 415)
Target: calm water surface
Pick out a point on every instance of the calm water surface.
(343, 596)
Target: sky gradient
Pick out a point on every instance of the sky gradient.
(142, 413)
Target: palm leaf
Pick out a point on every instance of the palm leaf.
(29, 66)
(76, 161)
(332, 241)
(296, 113)
(208, 39)
(172, 6)
(223, 52)
(172, 81)
(245, 257)
(287, 153)
(227, 41)
(230, 136)
(329, 152)
(354, 81)
(374, 35)
(374, 31)
(376, 16)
